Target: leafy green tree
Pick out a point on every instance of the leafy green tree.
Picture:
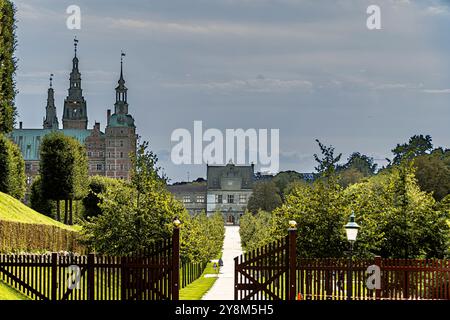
(327, 163)
(283, 179)
(97, 185)
(37, 200)
(397, 219)
(433, 173)
(8, 66)
(202, 237)
(265, 197)
(256, 230)
(63, 170)
(135, 214)
(12, 169)
(416, 146)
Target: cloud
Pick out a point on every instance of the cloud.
(436, 91)
(257, 85)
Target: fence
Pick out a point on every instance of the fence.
(190, 272)
(152, 274)
(275, 272)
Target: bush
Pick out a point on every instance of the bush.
(12, 169)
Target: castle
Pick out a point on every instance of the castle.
(108, 152)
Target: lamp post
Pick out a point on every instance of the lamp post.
(351, 228)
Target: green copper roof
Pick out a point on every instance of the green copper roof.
(29, 140)
(121, 120)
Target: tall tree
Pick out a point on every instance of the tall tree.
(327, 163)
(433, 173)
(358, 167)
(12, 169)
(416, 146)
(8, 66)
(63, 170)
(265, 197)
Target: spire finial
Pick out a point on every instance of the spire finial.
(75, 44)
(51, 80)
(122, 54)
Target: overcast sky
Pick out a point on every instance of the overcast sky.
(307, 67)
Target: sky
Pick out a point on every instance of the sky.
(310, 68)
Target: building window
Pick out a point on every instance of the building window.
(89, 154)
(99, 167)
(28, 166)
(219, 198)
(186, 199)
(121, 143)
(121, 167)
(200, 199)
(230, 198)
(121, 154)
(242, 198)
(109, 154)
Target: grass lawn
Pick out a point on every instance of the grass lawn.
(8, 293)
(12, 209)
(197, 289)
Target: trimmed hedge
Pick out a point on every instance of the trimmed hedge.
(29, 237)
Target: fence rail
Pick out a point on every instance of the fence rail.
(152, 274)
(275, 271)
(190, 272)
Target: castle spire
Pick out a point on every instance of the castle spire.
(75, 109)
(121, 105)
(50, 120)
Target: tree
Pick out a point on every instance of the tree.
(256, 229)
(320, 212)
(358, 167)
(63, 170)
(265, 197)
(283, 179)
(135, 214)
(8, 66)
(416, 146)
(360, 162)
(397, 219)
(433, 173)
(12, 169)
(97, 186)
(37, 200)
(327, 164)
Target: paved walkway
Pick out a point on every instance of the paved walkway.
(223, 288)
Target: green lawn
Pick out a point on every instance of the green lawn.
(8, 293)
(197, 289)
(12, 209)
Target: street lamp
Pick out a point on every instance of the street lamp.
(351, 228)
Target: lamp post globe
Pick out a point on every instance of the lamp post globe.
(352, 228)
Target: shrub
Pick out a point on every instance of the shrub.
(12, 169)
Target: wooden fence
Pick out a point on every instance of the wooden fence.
(152, 274)
(190, 272)
(275, 272)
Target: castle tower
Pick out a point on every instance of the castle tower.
(75, 110)
(120, 134)
(50, 120)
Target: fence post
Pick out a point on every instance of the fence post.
(91, 276)
(54, 276)
(123, 278)
(378, 291)
(176, 262)
(292, 254)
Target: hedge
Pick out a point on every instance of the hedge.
(31, 237)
